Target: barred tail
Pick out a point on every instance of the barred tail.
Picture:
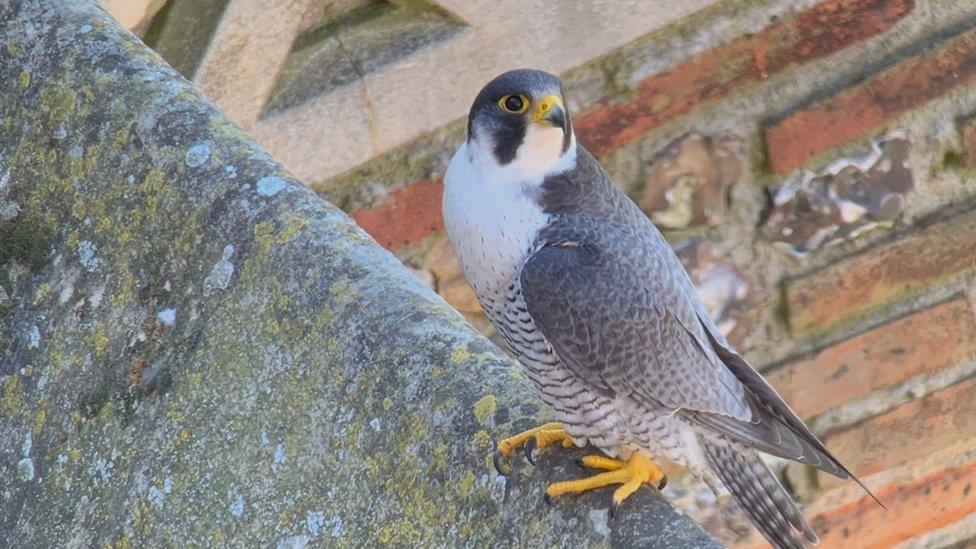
(760, 494)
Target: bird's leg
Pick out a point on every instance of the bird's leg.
(630, 474)
(541, 437)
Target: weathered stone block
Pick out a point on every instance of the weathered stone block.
(852, 195)
(689, 179)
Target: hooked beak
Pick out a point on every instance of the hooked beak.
(550, 112)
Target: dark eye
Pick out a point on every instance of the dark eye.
(515, 104)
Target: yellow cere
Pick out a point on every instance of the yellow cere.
(546, 105)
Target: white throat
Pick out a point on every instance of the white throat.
(540, 154)
(491, 211)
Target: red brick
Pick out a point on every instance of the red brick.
(915, 506)
(819, 31)
(925, 341)
(906, 433)
(853, 287)
(856, 111)
(967, 129)
(408, 215)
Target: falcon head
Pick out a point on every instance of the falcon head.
(519, 123)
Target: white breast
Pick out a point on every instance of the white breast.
(491, 222)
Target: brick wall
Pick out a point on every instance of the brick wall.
(814, 163)
(816, 176)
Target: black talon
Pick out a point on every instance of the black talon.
(663, 483)
(547, 499)
(497, 462)
(529, 446)
(579, 463)
(613, 510)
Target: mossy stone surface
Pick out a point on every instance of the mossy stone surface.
(197, 350)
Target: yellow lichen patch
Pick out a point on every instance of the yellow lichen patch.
(264, 234)
(195, 379)
(485, 408)
(106, 411)
(399, 532)
(100, 341)
(322, 319)
(267, 235)
(119, 139)
(39, 420)
(184, 435)
(385, 535)
(460, 355)
(124, 238)
(10, 402)
(24, 80)
(74, 454)
(482, 438)
(440, 457)
(286, 519)
(272, 327)
(465, 484)
(387, 404)
(293, 224)
(418, 429)
(79, 209)
(87, 96)
(341, 288)
(153, 185)
(59, 102)
(174, 414)
(121, 543)
(126, 286)
(42, 292)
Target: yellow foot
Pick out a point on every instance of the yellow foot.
(637, 470)
(541, 437)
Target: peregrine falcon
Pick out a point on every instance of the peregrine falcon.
(604, 319)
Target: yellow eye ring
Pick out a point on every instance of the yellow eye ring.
(514, 104)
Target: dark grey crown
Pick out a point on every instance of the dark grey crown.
(507, 130)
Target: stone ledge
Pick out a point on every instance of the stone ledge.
(196, 349)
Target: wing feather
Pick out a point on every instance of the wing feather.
(618, 308)
(613, 331)
(616, 322)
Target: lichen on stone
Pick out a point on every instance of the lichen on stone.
(226, 361)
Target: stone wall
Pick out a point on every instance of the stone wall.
(197, 350)
(813, 161)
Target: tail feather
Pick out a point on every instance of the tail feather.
(759, 493)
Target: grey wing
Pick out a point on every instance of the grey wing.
(614, 331)
(623, 317)
(776, 428)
